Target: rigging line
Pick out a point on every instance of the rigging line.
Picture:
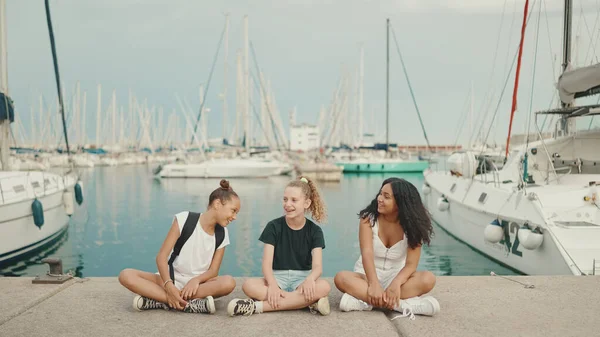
(592, 119)
(212, 69)
(592, 40)
(588, 31)
(549, 107)
(462, 119)
(490, 99)
(57, 75)
(258, 117)
(552, 58)
(412, 94)
(537, 39)
(489, 90)
(505, 84)
(594, 47)
(263, 92)
(516, 86)
(483, 122)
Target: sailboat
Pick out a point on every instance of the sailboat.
(242, 166)
(369, 162)
(34, 206)
(540, 213)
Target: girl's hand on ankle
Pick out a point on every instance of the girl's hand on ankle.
(273, 296)
(190, 289)
(393, 296)
(307, 288)
(174, 297)
(376, 295)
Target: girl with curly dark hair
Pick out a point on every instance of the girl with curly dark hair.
(392, 229)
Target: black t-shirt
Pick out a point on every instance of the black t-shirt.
(293, 248)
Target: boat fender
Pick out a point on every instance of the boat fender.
(68, 202)
(38, 213)
(426, 189)
(494, 232)
(530, 238)
(443, 204)
(78, 192)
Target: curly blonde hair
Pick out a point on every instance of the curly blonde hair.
(310, 191)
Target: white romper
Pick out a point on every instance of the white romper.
(388, 261)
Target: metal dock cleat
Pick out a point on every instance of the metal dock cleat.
(55, 275)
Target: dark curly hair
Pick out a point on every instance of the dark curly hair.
(412, 214)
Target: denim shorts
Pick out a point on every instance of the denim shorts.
(289, 280)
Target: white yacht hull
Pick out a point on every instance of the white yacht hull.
(466, 219)
(19, 235)
(223, 168)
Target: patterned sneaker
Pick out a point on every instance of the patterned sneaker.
(321, 306)
(201, 306)
(144, 303)
(349, 303)
(244, 307)
(410, 307)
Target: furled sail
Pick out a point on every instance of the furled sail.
(580, 82)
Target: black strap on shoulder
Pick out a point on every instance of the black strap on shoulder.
(219, 236)
(186, 232)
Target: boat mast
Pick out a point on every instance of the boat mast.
(387, 88)
(4, 124)
(516, 87)
(567, 30)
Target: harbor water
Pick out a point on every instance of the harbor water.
(127, 213)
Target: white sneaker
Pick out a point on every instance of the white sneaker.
(242, 307)
(201, 305)
(349, 303)
(321, 306)
(410, 307)
(144, 303)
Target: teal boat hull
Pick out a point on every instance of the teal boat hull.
(398, 167)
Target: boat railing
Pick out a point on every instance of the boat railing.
(494, 171)
(555, 170)
(29, 180)
(595, 266)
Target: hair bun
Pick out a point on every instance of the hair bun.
(224, 184)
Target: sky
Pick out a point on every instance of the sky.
(162, 48)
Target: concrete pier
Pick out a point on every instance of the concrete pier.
(471, 306)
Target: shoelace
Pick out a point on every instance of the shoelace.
(407, 312)
(152, 304)
(314, 308)
(197, 306)
(245, 307)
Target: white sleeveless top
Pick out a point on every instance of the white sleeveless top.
(393, 258)
(196, 254)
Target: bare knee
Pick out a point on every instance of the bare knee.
(428, 281)
(126, 276)
(250, 287)
(340, 280)
(227, 284)
(323, 288)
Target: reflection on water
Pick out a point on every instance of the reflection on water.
(127, 213)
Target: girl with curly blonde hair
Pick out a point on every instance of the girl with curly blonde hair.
(292, 258)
